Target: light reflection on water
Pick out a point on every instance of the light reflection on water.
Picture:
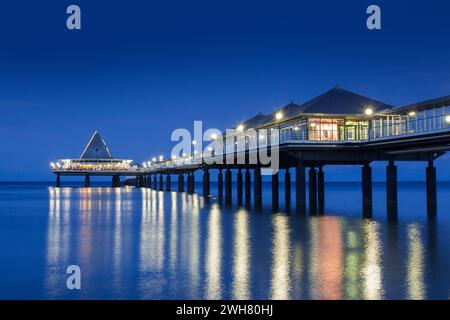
(140, 243)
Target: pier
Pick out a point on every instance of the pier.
(338, 127)
(96, 160)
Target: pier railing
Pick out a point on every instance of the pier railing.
(382, 128)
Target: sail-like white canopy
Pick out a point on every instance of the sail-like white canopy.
(96, 149)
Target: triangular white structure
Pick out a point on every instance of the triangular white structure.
(96, 148)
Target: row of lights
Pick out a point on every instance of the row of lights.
(278, 116)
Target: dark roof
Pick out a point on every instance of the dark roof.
(341, 101)
(254, 121)
(336, 101)
(428, 104)
(289, 111)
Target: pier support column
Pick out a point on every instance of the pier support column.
(189, 185)
(300, 187)
(161, 188)
(367, 190)
(239, 187)
(287, 189)
(228, 187)
(247, 187)
(180, 182)
(220, 185)
(155, 182)
(87, 181)
(58, 181)
(275, 192)
(148, 181)
(312, 190)
(192, 182)
(206, 183)
(391, 191)
(321, 190)
(431, 190)
(115, 181)
(257, 186)
(168, 183)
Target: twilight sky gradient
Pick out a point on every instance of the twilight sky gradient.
(139, 69)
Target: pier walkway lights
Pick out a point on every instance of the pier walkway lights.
(447, 119)
(279, 115)
(161, 158)
(240, 128)
(368, 111)
(412, 114)
(194, 142)
(153, 159)
(214, 136)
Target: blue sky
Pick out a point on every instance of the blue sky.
(139, 69)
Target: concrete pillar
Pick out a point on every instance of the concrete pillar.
(312, 190)
(239, 187)
(431, 190)
(321, 190)
(300, 187)
(247, 187)
(192, 182)
(189, 183)
(168, 183)
(115, 181)
(367, 190)
(257, 186)
(58, 181)
(180, 182)
(206, 183)
(220, 185)
(87, 181)
(161, 187)
(148, 181)
(228, 186)
(275, 192)
(287, 189)
(155, 182)
(391, 191)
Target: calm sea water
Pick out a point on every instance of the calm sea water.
(141, 244)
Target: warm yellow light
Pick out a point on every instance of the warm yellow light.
(261, 137)
(296, 129)
(214, 136)
(279, 116)
(209, 149)
(447, 119)
(313, 124)
(240, 127)
(368, 111)
(412, 114)
(161, 158)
